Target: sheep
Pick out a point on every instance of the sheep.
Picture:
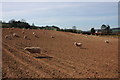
(33, 33)
(78, 44)
(106, 41)
(25, 37)
(8, 37)
(52, 37)
(15, 35)
(33, 49)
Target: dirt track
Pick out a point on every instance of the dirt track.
(59, 57)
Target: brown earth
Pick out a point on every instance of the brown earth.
(59, 58)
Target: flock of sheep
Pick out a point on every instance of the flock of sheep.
(78, 44)
(30, 49)
(16, 35)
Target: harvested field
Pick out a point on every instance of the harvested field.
(59, 57)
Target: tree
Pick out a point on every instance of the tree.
(33, 24)
(92, 30)
(108, 29)
(12, 21)
(23, 20)
(74, 29)
(57, 28)
(104, 29)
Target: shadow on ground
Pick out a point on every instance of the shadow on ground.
(43, 57)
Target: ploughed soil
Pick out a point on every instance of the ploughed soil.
(59, 57)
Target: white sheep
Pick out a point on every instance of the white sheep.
(52, 37)
(106, 41)
(78, 44)
(33, 33)
(8, 37)
(25, 37)
(15, 35)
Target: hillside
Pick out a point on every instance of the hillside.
(60, 58)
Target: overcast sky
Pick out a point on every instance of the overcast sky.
(60, 0)
(83, 15)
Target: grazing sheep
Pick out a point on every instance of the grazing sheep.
(106, 41)
(33, 49)
(33, 33)
(25, 37)
(15, 35)
(78, 44)
(8, 37)
(52, 37)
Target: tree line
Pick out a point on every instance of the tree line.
(23, 24)
(17, 24)
(105, 29)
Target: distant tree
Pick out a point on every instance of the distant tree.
(108, 29)
(56, 27)
(33, 24)
(23, 20)
(104, 29)
(61, 29)
(92, 30)
(74, 29)
(18, 22)
(12, 21)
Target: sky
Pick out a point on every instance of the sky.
(83, 15)
(59, 0)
